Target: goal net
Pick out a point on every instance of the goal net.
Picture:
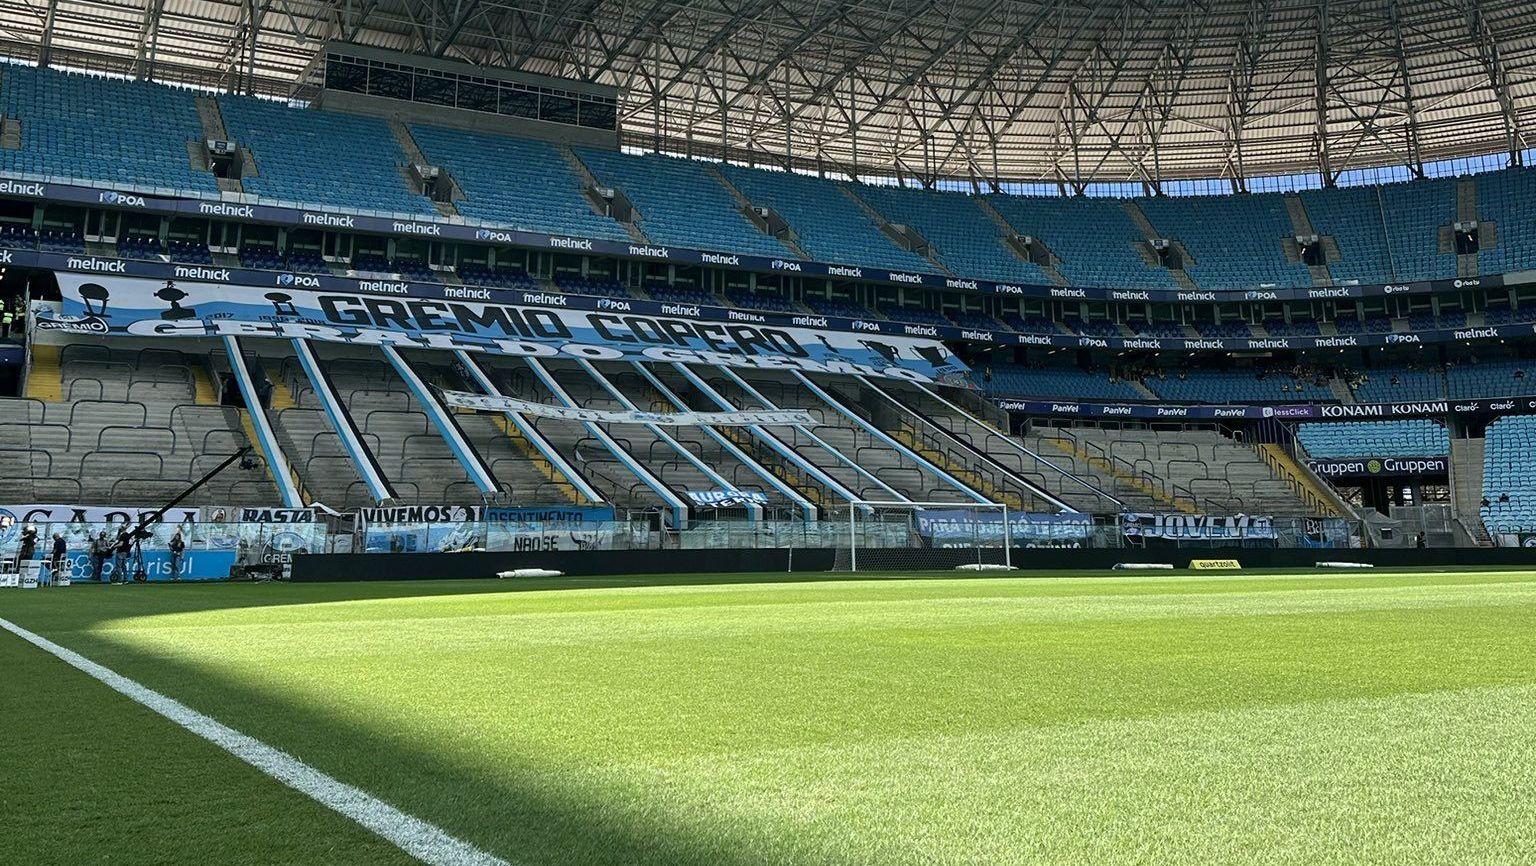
(923, 536)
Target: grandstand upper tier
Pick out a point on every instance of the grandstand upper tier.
(132, 135)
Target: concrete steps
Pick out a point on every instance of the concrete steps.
(886, 226)
(1150, 233)
(45, 380)
(791, 241)
(1467, 487)
(589, 181)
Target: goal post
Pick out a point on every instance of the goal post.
(898, 535)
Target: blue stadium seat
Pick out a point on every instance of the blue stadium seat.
(1420, 437)
(681, 203)
(967, 241)
(1093, 237)
(1226, 258)
(322, 157)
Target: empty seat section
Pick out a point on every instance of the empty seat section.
(321, 157)
(1236, 386)
(1414, 213)
(1400, 384)
(515, 182)
(680, 202)
(964, 238)
(1235, 239)
(1093, 237)
(1419, 437)
(1069, 383)
(828, 225)
(1508, 199)
(102, 129)
(1509, 487)
(1352, 217)
(1504, 378)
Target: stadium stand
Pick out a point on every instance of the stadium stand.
(1235, 386)
(1094, 239)
(1414, 212)
(321, 157)
(1399, 385)
(1507, 199)
(515, 182)
(131, 425)
(110, 130)
(1509, 487)
(828, 224)
(1492, 378)
(1223, 258)
(1013, 380)
(680, 202)
(1420, 437)
(965, 239)
(1352, 217)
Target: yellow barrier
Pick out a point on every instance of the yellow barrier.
(1202, 564)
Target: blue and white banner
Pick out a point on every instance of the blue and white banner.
(1204, 527)
(743, 418)
(963, 527)
(727, 498)
(129, 306)
(530, 530)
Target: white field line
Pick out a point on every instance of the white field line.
(426, 842)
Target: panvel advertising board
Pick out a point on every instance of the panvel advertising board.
(104, 305)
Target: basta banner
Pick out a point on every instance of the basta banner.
(1189, 527)
(961, 527)
(128, 306)
(1380, 467)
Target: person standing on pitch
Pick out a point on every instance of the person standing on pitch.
(120, 551)
(178, 547)
(58, 559)
(101, 551)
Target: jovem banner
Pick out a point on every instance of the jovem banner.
(104, 306)
(1181, 527)
(1380, 467)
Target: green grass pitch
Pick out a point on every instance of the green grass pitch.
(1359, 718)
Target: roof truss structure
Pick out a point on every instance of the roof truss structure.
(982, 90)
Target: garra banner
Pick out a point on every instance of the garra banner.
(102, 305)
(1186, 527)
(745, 418)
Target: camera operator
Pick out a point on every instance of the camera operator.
(27, 550)
(178, 547)
(120, 552)
(58, 560)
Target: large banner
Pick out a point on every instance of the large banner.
(727, 498)
(212, 545)
(1380, 467)
(961, 527)
(744, 418)
(1204, 527)
(539, 529)
(101, 305)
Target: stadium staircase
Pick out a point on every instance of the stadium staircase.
(1318, 495)
(1466, 211)
(212, 122)
(1467, 487)
(1144, 249)
(408, 146)
(1301, 226)
(1049, 267)
(589, 181)
(45, 379)
(788, 239)
(889, 229)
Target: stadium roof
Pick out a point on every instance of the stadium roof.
(1101, 90)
